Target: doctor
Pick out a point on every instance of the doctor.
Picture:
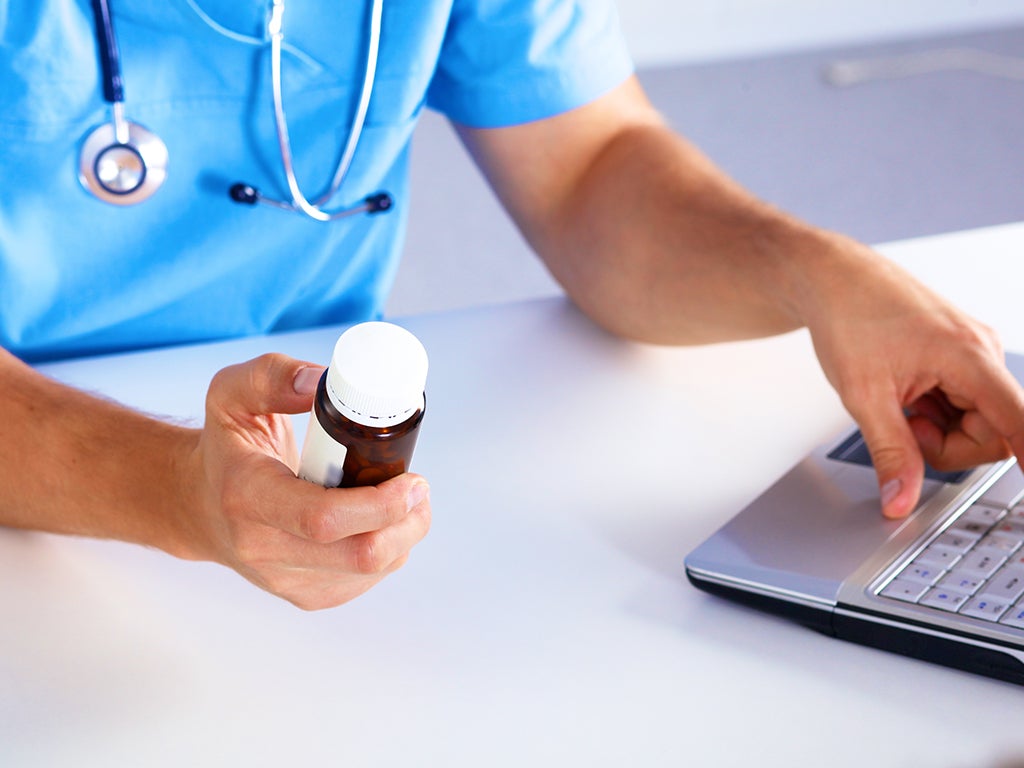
(204, 169)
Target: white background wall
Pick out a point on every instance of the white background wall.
(677, 31)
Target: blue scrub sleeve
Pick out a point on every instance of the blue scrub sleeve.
(505, 62)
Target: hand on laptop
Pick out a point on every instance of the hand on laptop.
(924, 381)
(654, 242)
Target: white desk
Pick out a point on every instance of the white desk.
(544, 621)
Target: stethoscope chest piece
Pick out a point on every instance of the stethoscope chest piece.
(122, 170)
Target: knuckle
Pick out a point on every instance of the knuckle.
(321, 526)
(369, 555)
(263, 371)
(219, 384)
(978, 336)
(982, 332)
(990, 335)
(218, 378)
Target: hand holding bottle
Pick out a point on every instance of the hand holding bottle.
(316, 547)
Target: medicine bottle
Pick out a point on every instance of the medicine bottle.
(367, 409)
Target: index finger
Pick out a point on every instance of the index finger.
(325, 515)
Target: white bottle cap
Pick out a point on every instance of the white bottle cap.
(377, 374)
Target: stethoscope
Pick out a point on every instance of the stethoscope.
(124, 163)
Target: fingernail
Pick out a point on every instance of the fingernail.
(417, 495)
(890, 491)
(306, 380)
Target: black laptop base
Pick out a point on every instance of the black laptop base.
(966, 652)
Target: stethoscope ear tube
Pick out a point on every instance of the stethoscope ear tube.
(246, 194)
(315, 209)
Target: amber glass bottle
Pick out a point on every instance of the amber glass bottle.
(368, 408)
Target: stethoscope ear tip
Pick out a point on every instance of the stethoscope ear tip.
(244, 193)
(379, 202)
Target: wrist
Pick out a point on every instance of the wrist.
(157, 488)
(821, 269)
(184, 531)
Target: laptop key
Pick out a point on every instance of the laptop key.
(980, 563)
(937, 554)
(1014, 617)
(961, 582)
(902, 589)
(983, 608)
(944, 599)
(1011, 526)
(1007, 585)
(958, 541)
(969, 527)
(921, 573)
(999, 541)
(1015, 515)
(982, 513)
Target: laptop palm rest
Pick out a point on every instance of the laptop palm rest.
(805, 535)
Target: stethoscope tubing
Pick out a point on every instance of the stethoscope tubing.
(299, 200)
(110, 56)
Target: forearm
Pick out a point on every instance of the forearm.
(657, 244)
(76, 464)
(649, 237)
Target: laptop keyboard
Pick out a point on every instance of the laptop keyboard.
(975, 567)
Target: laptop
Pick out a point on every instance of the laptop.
(945, 584)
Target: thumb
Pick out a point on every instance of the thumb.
(271, 383)
(896, 457)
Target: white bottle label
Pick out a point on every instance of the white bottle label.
(322, 456)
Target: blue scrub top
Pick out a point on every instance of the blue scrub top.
(80, 276)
